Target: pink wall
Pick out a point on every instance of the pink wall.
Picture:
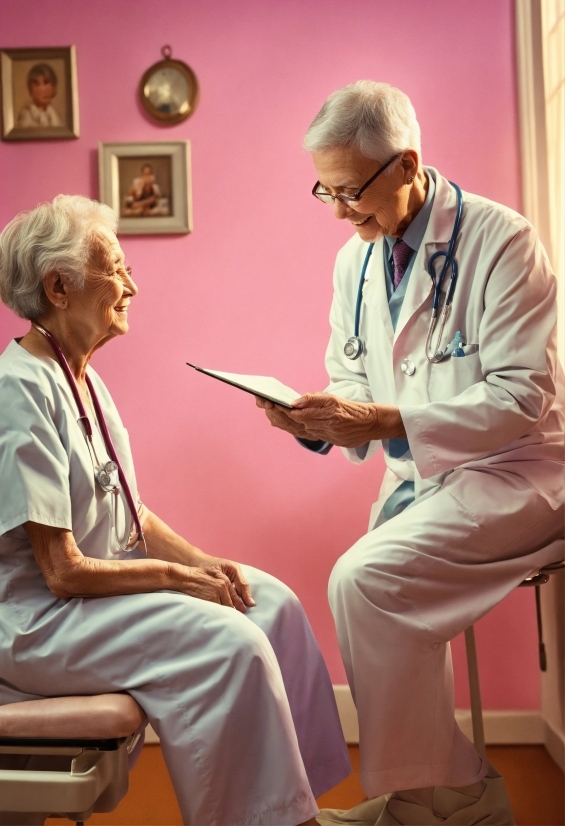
(249, 290)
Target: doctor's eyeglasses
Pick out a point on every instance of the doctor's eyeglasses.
(349, 200)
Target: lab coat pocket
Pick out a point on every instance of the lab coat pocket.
(452, 376)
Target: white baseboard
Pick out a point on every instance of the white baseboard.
(501, 727)
(555, 744)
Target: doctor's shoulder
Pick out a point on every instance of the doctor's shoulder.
(500, 231)
(493, 217)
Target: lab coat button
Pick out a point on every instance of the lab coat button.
(408, 367)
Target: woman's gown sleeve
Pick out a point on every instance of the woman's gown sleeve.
(34, 463)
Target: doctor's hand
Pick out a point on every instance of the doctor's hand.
(278, 418)
(339, 421)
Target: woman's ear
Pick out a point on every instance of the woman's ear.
(55, 289)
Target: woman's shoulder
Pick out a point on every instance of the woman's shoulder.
(25, 375)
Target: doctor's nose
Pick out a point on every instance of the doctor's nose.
(342, 210)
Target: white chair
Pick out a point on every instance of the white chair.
(536, 580)
(65, 756)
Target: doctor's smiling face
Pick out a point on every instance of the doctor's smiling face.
(388, 205)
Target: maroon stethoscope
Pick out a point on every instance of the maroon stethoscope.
(110, 473)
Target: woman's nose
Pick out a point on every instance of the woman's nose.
(129, 284)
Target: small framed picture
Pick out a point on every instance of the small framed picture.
(148, 186)
(39, 94)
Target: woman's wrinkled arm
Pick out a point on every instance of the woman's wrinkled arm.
(163, 543)
(68, 573)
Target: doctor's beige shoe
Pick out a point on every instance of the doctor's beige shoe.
(365, 813)
(451, 808)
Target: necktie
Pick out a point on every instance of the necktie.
(401, 255)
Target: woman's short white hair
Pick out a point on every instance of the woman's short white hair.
(376, 119)
(57, 236)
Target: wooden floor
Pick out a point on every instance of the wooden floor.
(535, 786)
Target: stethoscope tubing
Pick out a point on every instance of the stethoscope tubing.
(437, 281)
(449, 259)
(85, 421)
(360, 290)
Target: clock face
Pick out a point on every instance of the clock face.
(168, 91)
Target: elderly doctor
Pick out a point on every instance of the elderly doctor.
(472, 430)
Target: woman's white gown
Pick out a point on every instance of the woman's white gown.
(242, 703)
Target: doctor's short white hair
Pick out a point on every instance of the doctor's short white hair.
(375, 118)
(58, 236)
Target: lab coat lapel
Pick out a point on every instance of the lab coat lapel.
(374, 294)
(438, 233)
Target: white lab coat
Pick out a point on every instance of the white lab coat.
(243, 704)
(486, 438)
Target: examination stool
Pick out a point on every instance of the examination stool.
(65, 756)
(536, 580)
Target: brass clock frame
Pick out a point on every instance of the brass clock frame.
(169, 118)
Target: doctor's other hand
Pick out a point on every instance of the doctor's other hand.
(341, 422)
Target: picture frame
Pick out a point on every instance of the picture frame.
(39, 94)
(148, 185)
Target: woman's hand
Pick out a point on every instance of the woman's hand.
(163, 543)
(221, 582)
(68, 573)
(239, 590)
(339, 421)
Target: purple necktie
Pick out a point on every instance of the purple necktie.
(401, 254)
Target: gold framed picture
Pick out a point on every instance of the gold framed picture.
(39, 94)
(148, 186)
(169, 90)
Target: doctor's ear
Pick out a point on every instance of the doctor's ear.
(409, 162)
(56, 289)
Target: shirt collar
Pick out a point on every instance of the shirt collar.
(414, 233)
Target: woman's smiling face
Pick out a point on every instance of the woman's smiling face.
(102, 305)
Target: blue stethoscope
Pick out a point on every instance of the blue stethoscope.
(355, 345)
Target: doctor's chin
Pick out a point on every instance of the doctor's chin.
(210, 613)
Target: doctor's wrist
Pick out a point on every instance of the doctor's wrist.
(388, 422)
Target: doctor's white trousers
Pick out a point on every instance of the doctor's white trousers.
(243, 704)
(408, 587)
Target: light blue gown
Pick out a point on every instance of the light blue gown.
(242, 703)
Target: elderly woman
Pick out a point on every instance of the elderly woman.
(95, 598)
(470, 418)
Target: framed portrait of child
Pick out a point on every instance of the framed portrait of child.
(39, 94)
(148, 185)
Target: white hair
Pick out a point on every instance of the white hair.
(56, 236)
(374, 118)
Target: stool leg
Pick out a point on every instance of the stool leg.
(541, 644)
(475, 691)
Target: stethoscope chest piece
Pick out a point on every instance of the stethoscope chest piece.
(354, 347)
(408, 367)
(108, 477)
